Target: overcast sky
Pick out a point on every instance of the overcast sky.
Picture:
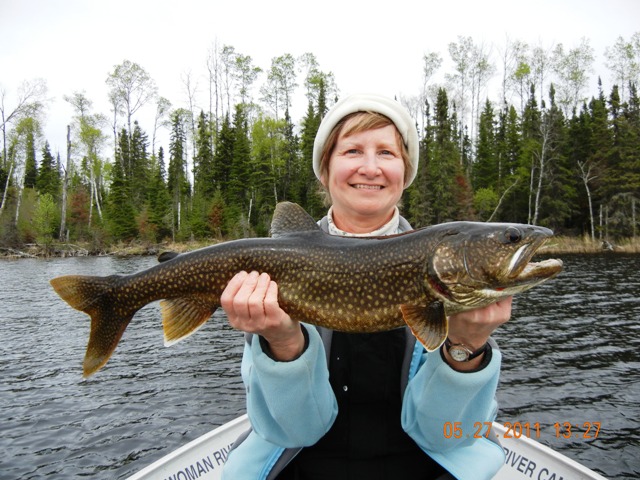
(371, 46)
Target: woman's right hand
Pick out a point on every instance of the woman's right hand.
(250, 301)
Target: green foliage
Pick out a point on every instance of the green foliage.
(121, 214)
(48, 177)
(46, 219)
(558, 162)
(485, 200)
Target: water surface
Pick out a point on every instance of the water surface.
(571, 354)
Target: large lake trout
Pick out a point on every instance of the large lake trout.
(343, 283)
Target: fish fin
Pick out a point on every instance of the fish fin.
(428, 323)
(93, 296)
(166, 256)
(183, 316)
(290, 218)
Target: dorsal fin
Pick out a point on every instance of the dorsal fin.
(166, 256)
(291, 218)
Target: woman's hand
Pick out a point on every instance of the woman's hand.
(473, 328)
(250, 301)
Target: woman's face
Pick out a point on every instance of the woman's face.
(365, 178)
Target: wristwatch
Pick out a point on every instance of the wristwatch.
(461, 353)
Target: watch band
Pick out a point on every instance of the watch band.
(461, 353)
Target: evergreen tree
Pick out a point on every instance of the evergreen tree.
(558, 188)
(159, 199)
(222, 158)
(267, 170)
(239, 191)
(178, 183)
(139, 168)
(31, 168)
(485, 171)
(417, 195)
(48, 179)
(204, 180)
(307, 186)
(121, 213)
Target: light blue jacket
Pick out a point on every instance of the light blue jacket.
(292, 405)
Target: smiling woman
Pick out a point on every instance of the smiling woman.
(366, 170)
(355, 405)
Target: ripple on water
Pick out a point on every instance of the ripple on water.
(571, 353)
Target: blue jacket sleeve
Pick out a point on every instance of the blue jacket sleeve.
(440, 402)
(290, 404)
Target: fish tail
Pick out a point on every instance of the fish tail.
(109, 318)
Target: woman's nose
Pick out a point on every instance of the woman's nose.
(370, 165)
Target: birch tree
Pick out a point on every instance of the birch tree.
(29, 102)
(623, 59)
(130, 87)
(572, 69)
(277, 93)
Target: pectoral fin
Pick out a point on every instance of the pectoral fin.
(428, 323)
(181, 317)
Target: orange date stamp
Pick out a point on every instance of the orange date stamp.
(567, 430)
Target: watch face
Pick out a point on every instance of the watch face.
(459, 354)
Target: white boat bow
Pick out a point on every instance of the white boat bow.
(204, 457)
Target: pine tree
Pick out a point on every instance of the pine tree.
(417, 195)
(159, 199)
(31, 168)
(121, 214)
(222, 158)
(485, 170)
(204, 180)
(48, 179)
(307, 186)
(240, 168)
(139, 168)
(447, 185)
(177, 182)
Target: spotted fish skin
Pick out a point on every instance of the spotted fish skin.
(343, 283)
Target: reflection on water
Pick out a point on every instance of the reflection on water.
(571, 354)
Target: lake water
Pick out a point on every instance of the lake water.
(571, 354)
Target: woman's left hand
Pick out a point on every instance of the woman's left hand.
(474, 327)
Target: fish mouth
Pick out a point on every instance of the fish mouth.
(523, 272)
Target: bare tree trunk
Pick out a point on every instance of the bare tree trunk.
(502, 198)
(97, 198)
(586, 178)
(6, 189)
(533, 169)
(65, 187)
(19, 199)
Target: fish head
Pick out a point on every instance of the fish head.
(475, 264)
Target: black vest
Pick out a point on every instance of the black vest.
(367, 440)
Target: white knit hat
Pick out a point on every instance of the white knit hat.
(365, 102)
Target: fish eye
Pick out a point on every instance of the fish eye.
(512, 235)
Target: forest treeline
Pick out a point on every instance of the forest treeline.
(542, 149)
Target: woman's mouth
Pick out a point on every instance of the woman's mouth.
(361, 186)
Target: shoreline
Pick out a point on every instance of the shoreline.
(556, 246)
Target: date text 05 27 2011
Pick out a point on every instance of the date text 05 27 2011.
(585, 430)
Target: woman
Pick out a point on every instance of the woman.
(331, 405)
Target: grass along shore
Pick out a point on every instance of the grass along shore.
(556, 246)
